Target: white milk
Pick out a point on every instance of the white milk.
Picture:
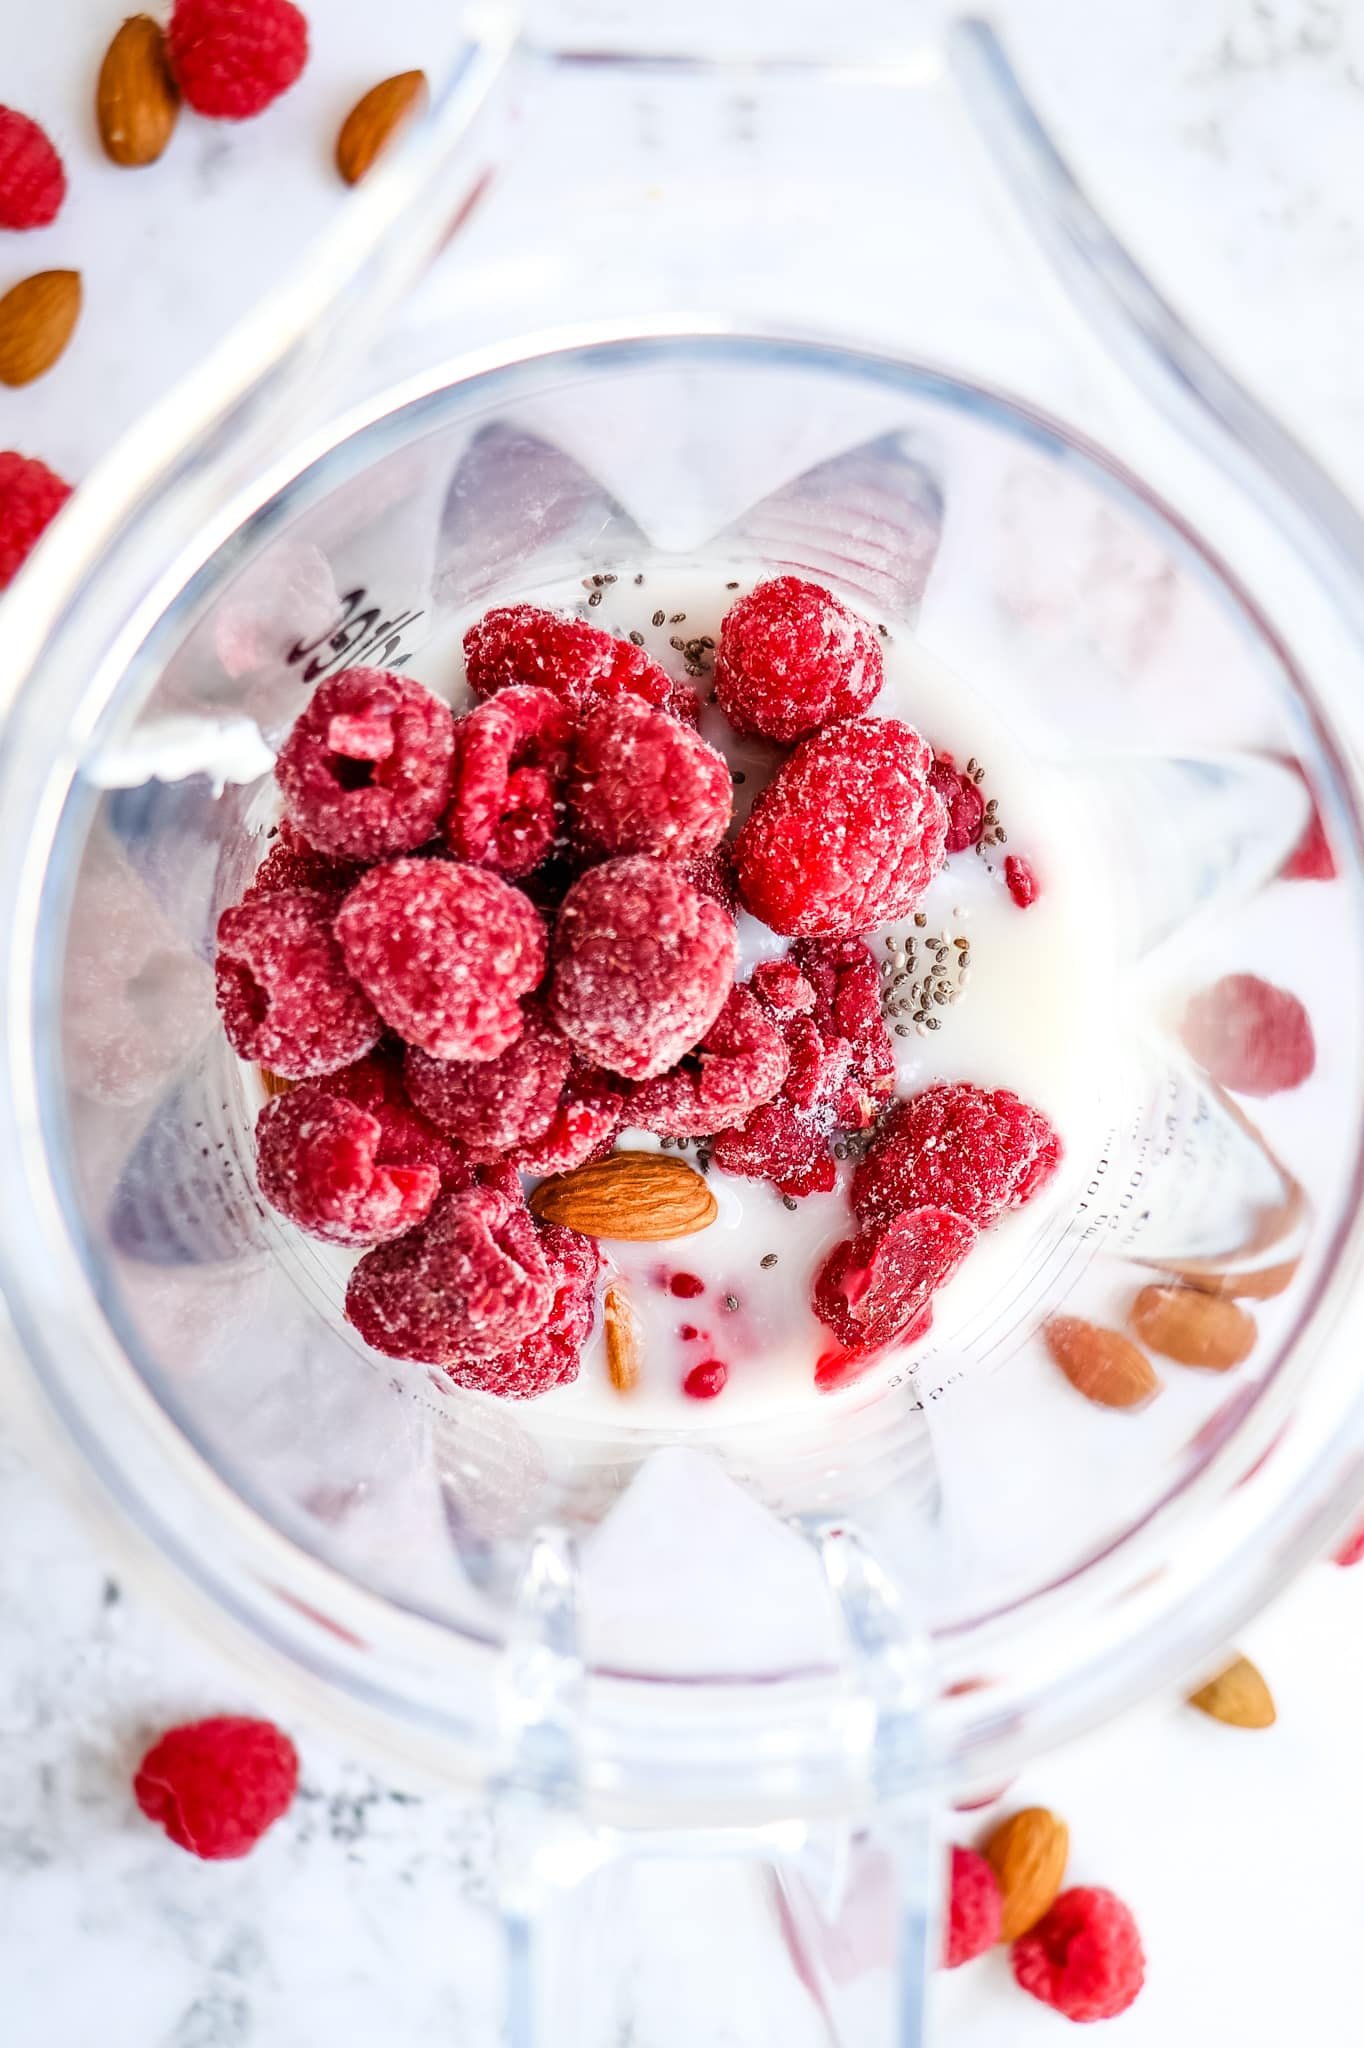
(1030, 1017)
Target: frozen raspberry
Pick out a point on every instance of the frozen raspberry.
(493, 1106)
(1020, 881)
(840, 1068)
(841, 1365)
(963, 802)
(779, 1144)
(286, 998)
(376, 1084)
(714, 875)
(1250, 1036)
(32, 181)
(551, 1356)
(1084, 1957)
(975, 1909)
(873, 1288)
(590, 1112)
(642, 965)
(1352, 1551)
(445, 952)
(31, 496)
(469, 1282)
(216, 1786)
(847, 1008)
(1311, 859)
(847, 836)
(231, 58)
(792, 658)
(511, 758)
(366, 769)
(642, 783)
(520, 643)
(292, 864)
(783, 988)
(707, 1380)
(317, 1162)
(977, 1151)
(685, 705)
(740, 1063)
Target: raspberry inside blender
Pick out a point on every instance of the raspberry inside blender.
(991, 976)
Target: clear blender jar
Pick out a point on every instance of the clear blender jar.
(878, 1605)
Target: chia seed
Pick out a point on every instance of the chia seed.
(768, 1259)
(658, 618)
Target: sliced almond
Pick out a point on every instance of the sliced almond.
(1101, 1364)
(1261, 1285)
(274, 1084)
(1195, 1328)
(36, 319)
(1028, 1854)
(641, 1196)
(137, 100)
(370, 124)
(622, 1339)
(1238, 1696)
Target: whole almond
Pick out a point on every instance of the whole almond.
(1101, 1364)
(622, 1339)
(1238, 1696)
(1027, 1853)
(370, 123)
(1195, 1328)
(642, 1196)
(137, 100)
(36, 319)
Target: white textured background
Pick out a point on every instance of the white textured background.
(1226, 140)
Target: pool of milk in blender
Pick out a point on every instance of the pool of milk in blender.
(1029, 1016)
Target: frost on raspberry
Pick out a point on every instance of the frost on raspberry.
(792, 659)
(365, 771)
(231, 58)
(470, 1282)
(713, 873)
(511, 759)
(642, 965)
(32, 180)
(318, 1163)
(1250, 1036)
(291, 863)
(976, 1151)
(521, 643)
(493, 1106)
(551, 1356)
(643, 783)
(873, 1288)
(285, 994)
(215, 1786)
(962, 800)
(825, 998)
(445, 953)
(31, 496)
(1084, 1957)
(589, 1113)
(847, 835)
(847, 1008)
(407, 1138)
(740, 1063)
(975, 1909)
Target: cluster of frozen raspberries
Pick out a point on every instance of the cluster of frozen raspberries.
(481, 946)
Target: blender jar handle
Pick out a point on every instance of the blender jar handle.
(853, 1901)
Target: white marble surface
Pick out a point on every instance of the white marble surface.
(1226, 137)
